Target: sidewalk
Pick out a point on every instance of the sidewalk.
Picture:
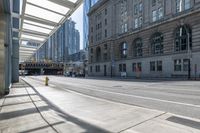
(48, 109)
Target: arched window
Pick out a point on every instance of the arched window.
(91, 50)
(98, 54)
(124, 50)
(157, 43)
(137, 47)
(183, 38)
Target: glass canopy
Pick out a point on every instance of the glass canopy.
(40, 19)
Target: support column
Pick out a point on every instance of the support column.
(15, 61)
(2, 54)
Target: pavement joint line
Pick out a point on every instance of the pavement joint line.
(19, 103)
(4, 99)
(143, 122)
(40, 82)
(97, 98)
(54, 104)
(91, 96)
(39, 110)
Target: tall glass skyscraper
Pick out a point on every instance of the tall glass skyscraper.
(63, 43)
(86, 7)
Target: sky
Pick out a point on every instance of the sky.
(77, 16)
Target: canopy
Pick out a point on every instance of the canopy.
(40, 19)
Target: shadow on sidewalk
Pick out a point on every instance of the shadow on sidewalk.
(89, 128)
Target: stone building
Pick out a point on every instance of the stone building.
(145, 38)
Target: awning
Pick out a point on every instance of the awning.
(39, 19)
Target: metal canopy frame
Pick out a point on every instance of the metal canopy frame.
(43, 28)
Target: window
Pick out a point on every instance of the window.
(135, 9)
(139, 67)
(140, 21)
(105, 46)
(106, 11)
(157, 43)
(96, 27)
(140, 7)
(91, 39)
(91, 29)
(98, 54)
(157, 14)
(177, 65)
(134, 67)
(178, 6)
(124, 16)
(182, 5)
(105, 56)
(154, 15)
(125, 27)
(185, 64)
(152, 66)
(105, 33)
(124, 49)
(105, 21)
(159, 66)
(91, 50)
(183, 33)
(137, 48)
(122, 28)
(136, 23)
(90, 68)
(160, 13)
(153, 2)
(122, 67)
(91, 58)
(98, 69)
(187, 4)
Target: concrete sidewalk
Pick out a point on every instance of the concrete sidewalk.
(49, 109)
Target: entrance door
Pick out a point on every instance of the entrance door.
(105, 70)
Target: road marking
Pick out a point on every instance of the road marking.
(136, 96)
(141, 97)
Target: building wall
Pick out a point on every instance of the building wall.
(120, 17)
(87, 4)
(9, 47)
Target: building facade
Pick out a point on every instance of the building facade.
(62, 44)
(87, 4)
(145, 38)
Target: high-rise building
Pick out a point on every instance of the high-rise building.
(87, 4)
(62, 44)
(77, 41)
(145, 38)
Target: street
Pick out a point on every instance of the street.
(178, 97)
(101, 105)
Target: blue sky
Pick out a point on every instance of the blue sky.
(77, 16)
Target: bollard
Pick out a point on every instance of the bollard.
(46, 81)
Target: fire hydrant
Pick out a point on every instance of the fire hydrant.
(46, 81)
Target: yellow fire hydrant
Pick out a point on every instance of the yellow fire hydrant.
(46, 81)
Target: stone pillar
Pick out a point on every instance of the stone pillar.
(15, 61)
(2, 54)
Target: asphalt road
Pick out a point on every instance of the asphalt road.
(178, 97)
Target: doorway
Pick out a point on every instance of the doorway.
(105, 70)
